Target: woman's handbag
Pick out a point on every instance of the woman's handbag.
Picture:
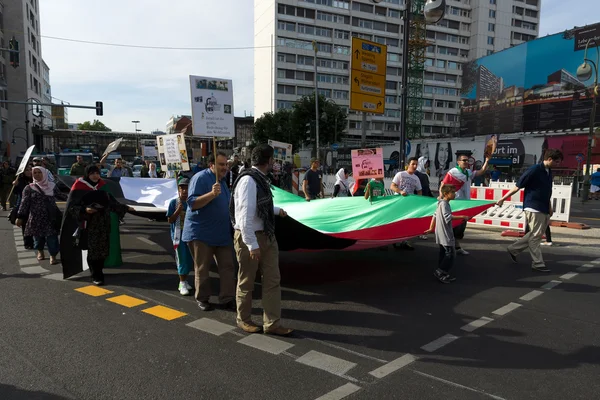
(12, 217)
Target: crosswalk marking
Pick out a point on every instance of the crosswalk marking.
(34, 270)
(328, 363)
(392, 366)
(126, 301)
(439, 343)
(506, 309)
(341, 392)
(211, 326)
(163, 312)
(93, 291)
(265, 343)
(478, 323)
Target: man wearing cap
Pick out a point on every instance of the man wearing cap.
(312, 185)
(207, 231)
(460, 177)
(176, 217)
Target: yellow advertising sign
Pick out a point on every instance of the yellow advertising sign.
(367, 76)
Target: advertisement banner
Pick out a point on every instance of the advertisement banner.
(282, 151)
(531, 87)
(172, 153)
(212, 107)
(25, 160)
(367, 163)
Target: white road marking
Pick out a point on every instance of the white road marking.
(340, 392)
(356, 353)
(328, 363)
(478, 323)
(211, 326)
(392, 366)
(22, 248)
(34, 270)
(569, 275)
(506, 309)
(531, 295)
(551, 284)
(147, 241)
(596, 261)
(588, 265)
(265, 343)
(131, 257)
(125, 230)
(54, 277)
(28, 261)
(439, 343)
(458, 385)
(19, 242)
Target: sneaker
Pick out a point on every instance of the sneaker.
(541, 268)
(442, 276)
(546, 244)
(98, 283)
(183, 290)
(205, 306)
(423, 237)
(462, 251)
(512, 256)
(187, 285)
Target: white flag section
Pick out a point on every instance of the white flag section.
(25, 160)
(156, 191)
(212, 107)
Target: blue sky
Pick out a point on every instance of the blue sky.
(151, 85)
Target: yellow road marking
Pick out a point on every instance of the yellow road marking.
(126, 301)
(94, 291)
(164, 312)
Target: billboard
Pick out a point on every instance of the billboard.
(212, 107)
(528, 88)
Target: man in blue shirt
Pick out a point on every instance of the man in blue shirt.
(207, 230)
(595, 189)
(537, 183)
(495, 174)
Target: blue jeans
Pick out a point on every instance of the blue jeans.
(446, 258)
(51, 241)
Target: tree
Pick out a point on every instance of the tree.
(96, 126)
(297, 126)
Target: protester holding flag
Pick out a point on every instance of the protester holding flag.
(88, 221)
(38, 210)
(460, 177)
(341, 187)
(176, 217)
(375, 189)
(405, 183)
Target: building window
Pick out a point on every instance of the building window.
(492, 1)
(304, 91)
(391, 85)
(342, 34)
(285, 57)
(286, 26)
(340, 94)
(492, 13)
(286, 89)
(393, 57)
(305, 60)
(490, 40)
(491, 27)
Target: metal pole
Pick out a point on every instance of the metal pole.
(404, 91)
(26, 127)
(363, 128)
(586, 182)
(316, 103)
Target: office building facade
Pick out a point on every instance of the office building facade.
(284, 58)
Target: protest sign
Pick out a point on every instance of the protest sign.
(282, 151)
(172, 153)
(367, 163)
(212, 107)
(25, 160)
(112, 146)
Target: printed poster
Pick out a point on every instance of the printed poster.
(112, 146)
(282, 151)
(149, 151)
(172, 153)
(367, 163)
(212, 107)
(491, 143)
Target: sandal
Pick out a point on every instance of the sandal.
(54, 261)
(41, 256)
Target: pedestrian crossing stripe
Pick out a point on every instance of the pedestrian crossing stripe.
(93, 291)
(164, 312)
(126, 301)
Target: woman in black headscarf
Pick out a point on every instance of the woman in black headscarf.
(86, 225)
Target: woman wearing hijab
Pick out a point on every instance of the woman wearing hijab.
(22, 181)
(341, 188)
(152, 171)
(421, 173)
(87, 225)
(38, 207)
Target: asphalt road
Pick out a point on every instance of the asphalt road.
(370, 325)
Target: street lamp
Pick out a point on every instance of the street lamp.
(135, 123)
(433, 12)
(27, 111)
(584, 72)
(18, 137)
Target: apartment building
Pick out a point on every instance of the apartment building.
(22, 20)
(284, 59)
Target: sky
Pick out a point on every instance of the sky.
(152, 85)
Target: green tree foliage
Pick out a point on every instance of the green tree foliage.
(291, 126)
(94, 126)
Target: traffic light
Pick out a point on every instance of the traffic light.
(13, 47)
(99, 108)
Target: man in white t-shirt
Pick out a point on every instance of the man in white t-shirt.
(405, 183)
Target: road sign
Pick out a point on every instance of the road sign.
(579, 157)
(335, 146)
(367, 77)
(408, 148)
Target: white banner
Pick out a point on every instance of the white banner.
(156, 191)
(25, 159)
(282, 151)
(172, 153)
(212, 106)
